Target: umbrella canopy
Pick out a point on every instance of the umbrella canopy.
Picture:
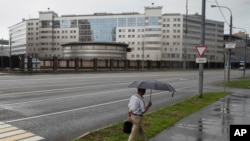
(153, 85)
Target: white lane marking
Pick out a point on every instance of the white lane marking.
(4, 126)
(12, 133)
(61, 89)
(82, 108)
(57, 85)
(109, 76)
(60, 98)
(67, 111)
(36, 138)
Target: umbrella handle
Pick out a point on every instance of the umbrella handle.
(150, 95)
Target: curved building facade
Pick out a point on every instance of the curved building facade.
(91, 50)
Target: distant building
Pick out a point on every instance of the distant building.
(238, 53)
(4, 47)
(18, 38)
(152, 35)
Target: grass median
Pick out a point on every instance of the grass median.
(242, 83)
(158, 120)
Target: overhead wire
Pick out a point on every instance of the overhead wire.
(222, 12)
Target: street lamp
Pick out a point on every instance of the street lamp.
(230, 38)
(10, 63)
(2, 55)
(245, 51)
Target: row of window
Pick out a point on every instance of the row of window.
(33, 23)
(150, 35)
(139, 56)
(37, 44)
(174, 19)
(168, 55)
(163, 43)
(54, 37)
(130, 36)
(58, 32)
(169, 25)
(157, 29)
(130, 30)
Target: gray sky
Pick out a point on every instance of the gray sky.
(13, 11)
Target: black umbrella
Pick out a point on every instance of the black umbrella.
(153, 85)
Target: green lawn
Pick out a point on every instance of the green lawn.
(239, 83)
(158, 120)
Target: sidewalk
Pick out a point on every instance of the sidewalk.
(212, 122)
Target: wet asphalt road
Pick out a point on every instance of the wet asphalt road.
(64, 106)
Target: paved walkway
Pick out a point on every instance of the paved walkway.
(212, 122)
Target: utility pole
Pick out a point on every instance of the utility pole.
(2, 55)
(202, 43)
(229, 39)
(185, 42)
(10, 63)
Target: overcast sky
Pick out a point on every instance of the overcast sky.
(13, 11)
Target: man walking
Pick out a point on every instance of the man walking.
(136, 109)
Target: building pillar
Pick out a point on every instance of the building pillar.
(55, 63)
(111, 64)
(125, 64)
(21, 62)
(149, 64)
(95, 61)
(138, 62)
(76, 64)
(29, 63)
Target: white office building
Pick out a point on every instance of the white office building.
(18, 38)
(152, 35)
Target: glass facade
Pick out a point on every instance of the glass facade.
(153, 21)
(131, 22)
(122, 22)
(140, 21)
(102, 29)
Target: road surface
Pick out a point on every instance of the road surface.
(61, 107)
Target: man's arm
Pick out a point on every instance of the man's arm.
(147, 107)
(129, 115)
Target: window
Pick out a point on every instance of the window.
(122, 22)
(140, 21)
(153, 21)
(131, 21)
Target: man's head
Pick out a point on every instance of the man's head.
(141, 91)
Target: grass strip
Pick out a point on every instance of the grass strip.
(239, 83)
(157, 121)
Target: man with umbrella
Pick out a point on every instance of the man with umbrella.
(136, 106)
(136, 109)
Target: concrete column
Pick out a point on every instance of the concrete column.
(95, 61)
(76, 64)
(29, 64)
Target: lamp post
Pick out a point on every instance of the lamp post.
(2, 55)
(245, 51)
(230, 38)
(185, 42)
(10, 63)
